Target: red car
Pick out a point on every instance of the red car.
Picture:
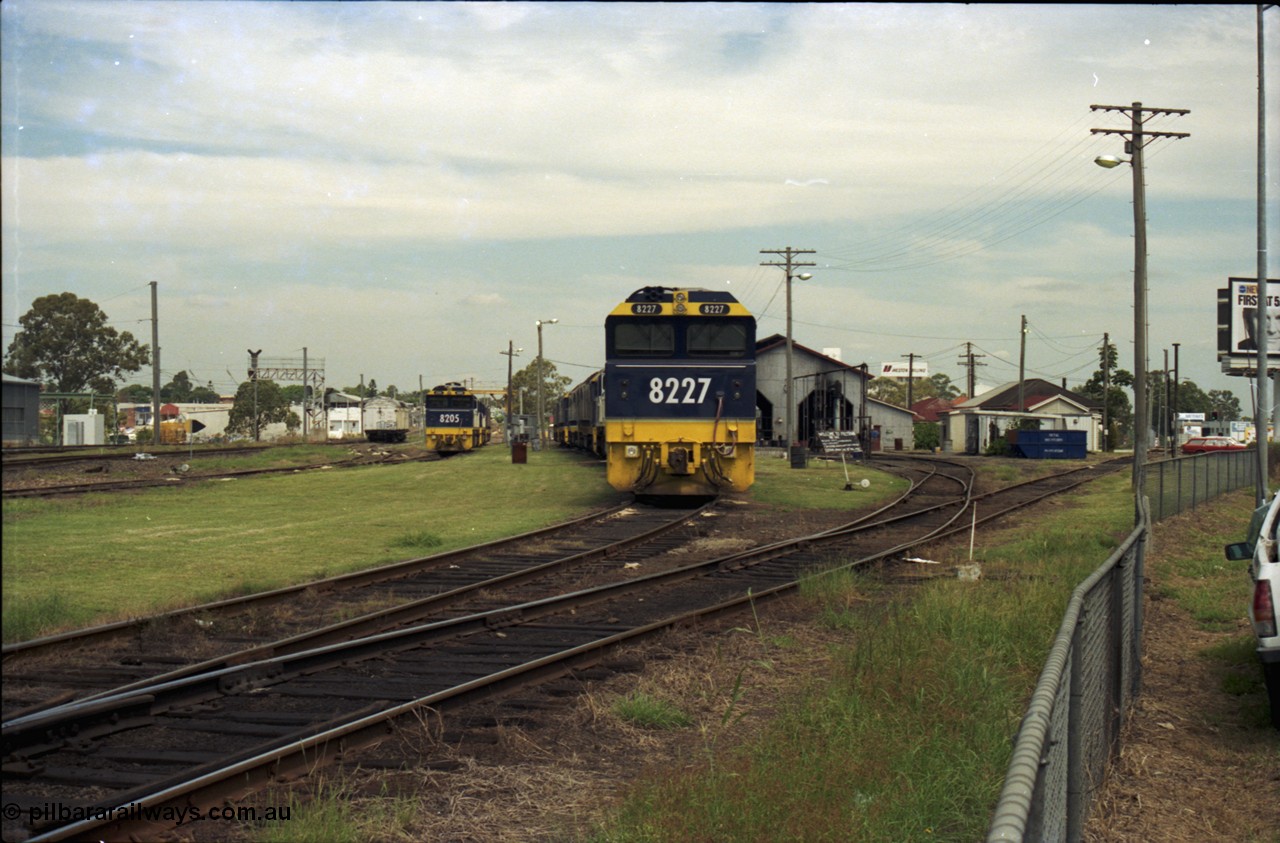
(1212, 444)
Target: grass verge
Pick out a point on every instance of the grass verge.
(100, 557)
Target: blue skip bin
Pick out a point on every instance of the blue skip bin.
(1048, 444)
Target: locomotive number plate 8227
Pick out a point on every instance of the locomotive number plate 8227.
(646, 309)
(713, 309)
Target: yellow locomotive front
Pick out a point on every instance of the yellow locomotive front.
(679, 393)
(456, 420)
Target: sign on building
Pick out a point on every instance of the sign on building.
(904, 370)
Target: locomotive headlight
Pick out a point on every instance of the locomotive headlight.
(633, 451)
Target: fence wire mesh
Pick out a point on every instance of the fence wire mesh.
(1071, 729)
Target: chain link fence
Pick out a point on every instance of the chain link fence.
(1071, 729)
(1183, 483)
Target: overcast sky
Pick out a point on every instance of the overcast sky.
(403, 188)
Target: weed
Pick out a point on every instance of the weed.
(648, 712)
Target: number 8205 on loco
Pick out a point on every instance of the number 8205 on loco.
(673, 410)
(456, 419)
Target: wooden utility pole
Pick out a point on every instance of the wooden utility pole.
(155, 367)
(970, 363)
(1106, 389)
(1022, 366)
(1136, 140)
(911, 378)
(789, 263)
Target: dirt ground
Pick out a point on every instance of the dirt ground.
(1192, 766)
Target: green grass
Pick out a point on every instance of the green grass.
(909, 736)
(74, 562)
(820, 485)
(649, 712)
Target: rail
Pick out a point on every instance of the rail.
(1093, 675)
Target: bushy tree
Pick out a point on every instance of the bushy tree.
(1221, 401)
(271, 405)
(1111, 392)
(894, 390)
(134, 393)
(525, 383)
(927, 435)
(66, 344)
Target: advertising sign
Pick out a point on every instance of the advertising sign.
(1237, 325)
(904, 371)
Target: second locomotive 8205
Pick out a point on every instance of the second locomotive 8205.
(678, 396)
(456, 419)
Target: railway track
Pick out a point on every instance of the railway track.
(180, 472)
(149, 745)
(80, 664)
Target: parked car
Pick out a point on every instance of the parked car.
(1260, 549)
(1211, 444)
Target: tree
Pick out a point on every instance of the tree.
(178, 389)
(271, 404)
(890, 390)
(205, 395)
(1110, 391)
(1221, 401)
(524, 383)
(894, 390)
(66, 344)
(134, 393)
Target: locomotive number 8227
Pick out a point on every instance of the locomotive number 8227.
(679, 393)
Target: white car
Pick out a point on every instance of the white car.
(1264, 568)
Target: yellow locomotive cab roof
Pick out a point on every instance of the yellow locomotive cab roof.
(682, 302)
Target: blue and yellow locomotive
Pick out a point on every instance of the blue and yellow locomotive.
(677, 403)
(456, 419)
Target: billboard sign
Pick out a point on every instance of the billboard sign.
(1237, 325)
(904, 371)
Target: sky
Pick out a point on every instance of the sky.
(403, 189)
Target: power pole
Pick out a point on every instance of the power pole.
(511, 353)
(911, 378)
(1106, 388)
(1173, 414)
(789, 263)
(1263, 411)
(969, 362)
(306, 406)
(1022, 367)
(1136, 139)
(155, 368)
(253, 376)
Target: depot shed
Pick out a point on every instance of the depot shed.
(830, 397)
(971, 427)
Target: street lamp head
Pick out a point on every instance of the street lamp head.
(542, 322)
(804, 276)
(1110, 161)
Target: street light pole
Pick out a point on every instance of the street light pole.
(541, 407)
(1136, 139)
